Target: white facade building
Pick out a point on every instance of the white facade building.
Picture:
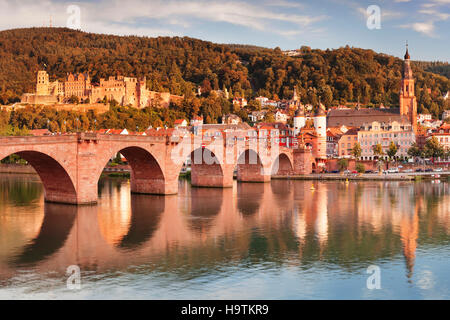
(374, 133)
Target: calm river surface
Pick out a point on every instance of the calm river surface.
(279, 240)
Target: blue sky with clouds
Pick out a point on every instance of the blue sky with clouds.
(288, 24)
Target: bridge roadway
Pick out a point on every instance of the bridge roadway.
(70, 165)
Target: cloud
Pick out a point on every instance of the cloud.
(436, 15)
(118, 17)
(282, 3)
(435, 3)
(426, 28)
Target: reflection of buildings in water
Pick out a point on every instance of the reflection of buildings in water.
(146, 211)
(409, 231)
(282, 192)
(321, 224)
(395, 205)
(17, 226)
(440, 204)
(249, 198)
(205, 206)
(114, 223)
(56, 227)
(312, 210)
(186, 227)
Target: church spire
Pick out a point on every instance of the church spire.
(407, 57)
(407, 70)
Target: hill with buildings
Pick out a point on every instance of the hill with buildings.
(181, 65)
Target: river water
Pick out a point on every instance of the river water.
(278, 240)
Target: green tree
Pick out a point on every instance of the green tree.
(414, 151)
(360, 167)
(433, 149)
(377, 150)
(269, 117)
(356, 151)
(392, 150)
(74, 100)
(342, 164)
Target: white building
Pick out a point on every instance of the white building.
(421, 117)
(446, 114)
(320, 125)
(257, 116)
(281, 116)
(299, 120)
(375, 132)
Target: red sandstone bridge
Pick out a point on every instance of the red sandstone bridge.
(70, 165)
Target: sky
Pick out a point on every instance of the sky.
(287, 24)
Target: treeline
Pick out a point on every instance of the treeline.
(438, 67)
(21, 120)
(180, 65)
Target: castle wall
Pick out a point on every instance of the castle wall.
(124, 90)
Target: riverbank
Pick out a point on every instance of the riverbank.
(16, 168)
(124, 172)
(363, 177)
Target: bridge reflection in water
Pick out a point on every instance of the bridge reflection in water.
(343, 225)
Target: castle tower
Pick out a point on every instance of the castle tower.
(299, 120)
(320, 124)
(408, 102)
(42, 84)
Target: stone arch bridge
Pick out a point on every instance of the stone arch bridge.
(70, 165)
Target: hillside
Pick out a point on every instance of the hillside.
(179, 65)
(442, 68)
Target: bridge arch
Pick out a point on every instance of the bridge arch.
(283, 165)
(146, 177)
(250, 168)
(207, 170)
(58, 185)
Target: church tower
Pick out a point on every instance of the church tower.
(408, 102)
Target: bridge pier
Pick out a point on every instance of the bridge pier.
(252, 173)
(213, 176)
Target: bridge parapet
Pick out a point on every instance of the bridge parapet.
(27, 140)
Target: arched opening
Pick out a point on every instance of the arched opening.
(58, 186)
(206, 170)
(146, 176)
(250, 168)
(282, 166)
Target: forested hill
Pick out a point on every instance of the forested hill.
(179, 65)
